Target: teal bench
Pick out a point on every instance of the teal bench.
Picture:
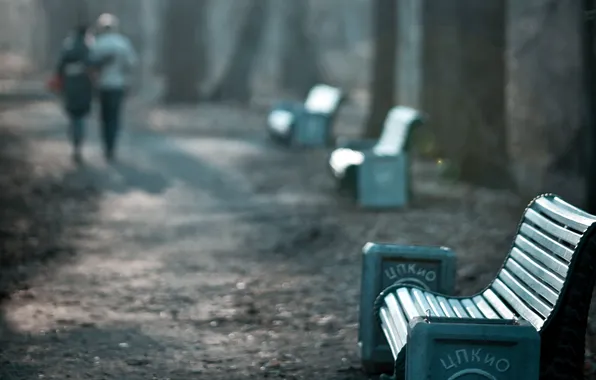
(309, 124)
(441, 348)
(377, 172)
(547, 279)
(383, 265)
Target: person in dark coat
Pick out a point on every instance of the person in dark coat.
(74, 71)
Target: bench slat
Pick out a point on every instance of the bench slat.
(408, 304)
(546, 242)
(553, 229)
(574, 210)
(391, 332)
(554, 263)
(485, 308)
(537, 269)
(447, 309)
(524, 293)
(498, 304)
(563, 214)
(525, 312)
(533, 283)
(471, 308)
(421, 300)
(435, 307)
(460, 311)
(396, 313)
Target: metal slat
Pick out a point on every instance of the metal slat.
(390, 332)
(434, 304)
(498, 304)
(409, 306)
(447, 309)
(423, 303)
(537, 269)
(396, 313)
(532, 282)
(563, 214)
(550, 261)
(471, 308)
(553, 229)
(460, 311)
(524, 293)
(485, 308)
(546, 242)
(524, 311)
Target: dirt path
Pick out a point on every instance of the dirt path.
(212, 254)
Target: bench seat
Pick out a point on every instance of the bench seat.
(546, 279)
(308, 123)
(393, 141)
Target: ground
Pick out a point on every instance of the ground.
(206, 252)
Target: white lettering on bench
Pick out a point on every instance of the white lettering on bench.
(404, 272)
(465, 356)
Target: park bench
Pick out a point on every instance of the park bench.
(432, 268)
(309, 124)
(377, 172)
(547, 280)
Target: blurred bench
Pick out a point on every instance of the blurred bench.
(309, 124)
(466, 348)
(547, 279)
(377, 172)
(431, 268)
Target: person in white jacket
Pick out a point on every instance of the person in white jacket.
(114, 58)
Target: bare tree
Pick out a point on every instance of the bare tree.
(382, 87)
(483, 159)
(184, 50)
(234, 84)
(300, 66)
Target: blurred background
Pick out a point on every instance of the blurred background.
(504, 85)
(209, 251)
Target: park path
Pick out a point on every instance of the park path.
(210, 253)
(168, 262)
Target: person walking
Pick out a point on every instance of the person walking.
(76, 86)
(114, 58)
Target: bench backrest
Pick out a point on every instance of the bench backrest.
(396, 130)
(323, 99)
(543, 259)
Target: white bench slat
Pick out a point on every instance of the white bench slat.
(520, 307)
(485, 308)
(499, 306)
(546, 242)
(554, 263)
(560, 211)
(532, 282)
(471, 308)
(553, 229)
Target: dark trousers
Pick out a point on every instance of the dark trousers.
(110, 106)
(77, 130)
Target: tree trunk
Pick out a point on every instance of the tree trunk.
(484, 159)
(61, 18)
(546, 97)
(382, 87)
(589, 30)
(300, 66)
(235, 83)
(184, 51)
